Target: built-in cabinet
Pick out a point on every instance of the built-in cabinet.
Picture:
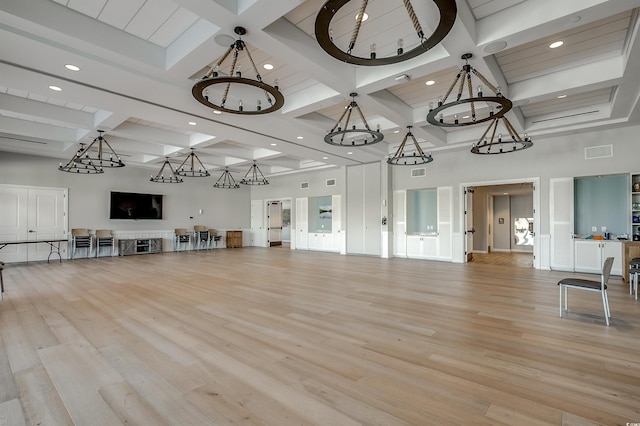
(319, 223)
(422, 223)
(589, 255)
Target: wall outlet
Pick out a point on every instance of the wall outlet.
(604, 229)
(594, 229)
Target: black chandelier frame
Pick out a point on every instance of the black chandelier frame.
(76, 166)
(226, 181)
(342, 129)
(448, 11)
(415, 158)
(99, 160)
(173, 176)
(191, 161)
(273, 97)
(497, 145)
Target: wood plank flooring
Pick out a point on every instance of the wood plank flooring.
(258, 336)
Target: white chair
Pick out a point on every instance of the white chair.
(591, 285)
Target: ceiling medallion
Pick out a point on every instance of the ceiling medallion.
(480, 107)
(400, 158)
(325, 37)
(497, 145)
(230, 81)
(359, 136)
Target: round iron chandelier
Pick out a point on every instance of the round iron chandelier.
(401, 158)
(344, 127)
(497, 145)
(325, 37)
(215, 89)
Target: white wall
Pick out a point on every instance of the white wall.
(89, 195)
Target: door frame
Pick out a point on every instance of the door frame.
(266, 202)
(535, 181)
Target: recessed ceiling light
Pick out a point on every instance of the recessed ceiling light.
(56, 88)
(300, 137)
(556, 44)
(274, 144)
(396, 131)
(364, 17)
(350, 152)
(562, 96)
(268, 66)
(430, 83)
(216, 111)
(192, 123)
(466, 116)
(72, 67)
(325, 158)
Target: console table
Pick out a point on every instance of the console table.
(234, 239)
(54, 245)
(139, 246)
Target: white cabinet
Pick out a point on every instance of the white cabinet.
(321, 241)
(561, 218)
(589, 255)
(422, 246)
(302, 224)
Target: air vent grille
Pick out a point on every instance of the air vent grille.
(595, 152)
(418, 172)
(304, 185)
(331, 182)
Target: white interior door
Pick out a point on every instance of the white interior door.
(561, 218)
(258, 232)
(468, 218)
(445, 234)
(274, 216)
(31, 213)
(302, 224)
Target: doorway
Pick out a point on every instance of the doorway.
(501, 223)
(279, 223)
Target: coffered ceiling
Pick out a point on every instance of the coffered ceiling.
(138, 61)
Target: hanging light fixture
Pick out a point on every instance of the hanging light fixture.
(191, 162)
(224, 76)
(480, 107)
(405, 48)
(226, 181)
(75, 166)
(99, 157)
(416, 157)
(171, 178)
(254, 176)
(498, 145)
(359, 136)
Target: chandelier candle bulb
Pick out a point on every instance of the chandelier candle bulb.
(400, 46)
(259, 104)
(373, 51)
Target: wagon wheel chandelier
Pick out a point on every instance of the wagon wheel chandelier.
(497, 145)
(254, 176)
(400, 158)
(460, 115)
(188, 166)
(76, 166)
(226, 181)
(227, 76)
(99, 158)
(360, 136)
(324, 33)
(173, 177)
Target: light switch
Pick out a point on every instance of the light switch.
(594, 229)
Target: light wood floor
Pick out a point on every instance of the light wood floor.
(279, 337)
(523, 260)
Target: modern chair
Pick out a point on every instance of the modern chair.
(104, 238)
(591, 285)
(634, 271)
(182, 238)
(80, 238)
(214, 238)
(201, 236)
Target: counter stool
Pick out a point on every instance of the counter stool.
(181, 237)
(634, 271)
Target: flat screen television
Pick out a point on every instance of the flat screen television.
(129, 205)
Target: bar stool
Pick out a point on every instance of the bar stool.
(182, 237)
(201, 236)
(214, 238)
(634, 271)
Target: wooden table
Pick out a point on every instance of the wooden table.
(54, 245)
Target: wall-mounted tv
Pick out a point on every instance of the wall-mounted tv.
(129, 205)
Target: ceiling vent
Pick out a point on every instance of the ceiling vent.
(595, 152)
(331, 182)
(304, 185)
(418, 172)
